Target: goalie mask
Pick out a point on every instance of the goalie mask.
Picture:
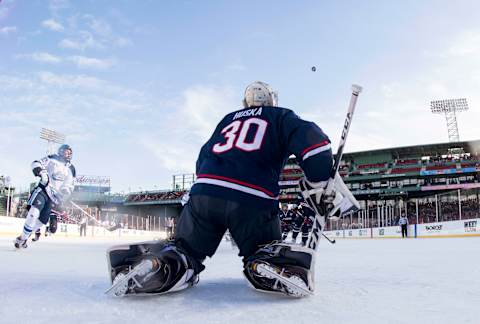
(260, 94)
(65, 152)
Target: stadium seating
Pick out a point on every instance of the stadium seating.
(372, 165)
(405, 170)
(439, 167)
(407, 162)
(155, 196)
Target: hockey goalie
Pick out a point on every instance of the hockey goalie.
(237, 189)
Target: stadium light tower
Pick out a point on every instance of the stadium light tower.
(51, 137)
(450, 107)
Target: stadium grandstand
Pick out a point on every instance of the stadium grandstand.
(7, 192)
(430, 183)
(143, 210)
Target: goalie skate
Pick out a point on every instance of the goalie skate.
(148, 268)
(125, 282)
(285, 282)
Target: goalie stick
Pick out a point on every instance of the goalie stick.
(319, 223)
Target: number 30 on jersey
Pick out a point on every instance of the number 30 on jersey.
(236, 132)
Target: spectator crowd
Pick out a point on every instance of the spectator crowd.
(155, 196)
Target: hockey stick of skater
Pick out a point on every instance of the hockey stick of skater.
(66, 216)
(108, 228)
(317, 229)
(87, 214)
(57, 213)
(328, 239)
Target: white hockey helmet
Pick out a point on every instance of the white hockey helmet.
(260, 94)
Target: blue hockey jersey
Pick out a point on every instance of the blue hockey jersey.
(249, 148)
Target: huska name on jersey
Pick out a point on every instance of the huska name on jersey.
(248, 112)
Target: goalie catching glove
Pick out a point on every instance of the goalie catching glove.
(329, 198)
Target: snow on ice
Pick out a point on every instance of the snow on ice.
(59, 280)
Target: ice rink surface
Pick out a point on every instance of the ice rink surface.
(58, 280)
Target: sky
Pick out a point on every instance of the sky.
(138, 86)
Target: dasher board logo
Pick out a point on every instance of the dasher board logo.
(381, 231)
(434, 228)
(363, 232)
(470, 226)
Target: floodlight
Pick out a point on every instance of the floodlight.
(450, 107)
(51, 137)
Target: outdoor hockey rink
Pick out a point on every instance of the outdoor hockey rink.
(57, 280)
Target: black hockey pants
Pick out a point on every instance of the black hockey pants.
(205, 219)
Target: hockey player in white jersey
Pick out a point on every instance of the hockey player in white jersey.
(57, 174)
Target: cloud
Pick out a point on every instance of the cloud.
(202, 106)
(89, 110)
(466, 44)
(52, 25)
(46, 57)
(9, 83)
(77, 100)
(198, 110)
(395, 111)
(98, 26)
(71, 44)
(89, 32)
(82, 62)
(171, 157)
(81, 81)
(83, 41)
(8, 30)
(42, 57)
(91, 62)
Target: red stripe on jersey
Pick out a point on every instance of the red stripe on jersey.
(305, 151)
(212, 176)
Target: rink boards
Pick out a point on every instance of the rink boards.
(460, 228)
(12, 226)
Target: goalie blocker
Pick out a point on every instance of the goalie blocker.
(329, 203)
(329, 199)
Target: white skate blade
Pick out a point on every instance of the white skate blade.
(296, 287)
(120, 283)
